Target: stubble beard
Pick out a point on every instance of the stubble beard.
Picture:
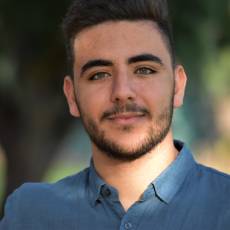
(155, 134)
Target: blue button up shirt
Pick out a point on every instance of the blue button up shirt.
(186, 196)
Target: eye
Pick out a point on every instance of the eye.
(99, 75)
(145, 71)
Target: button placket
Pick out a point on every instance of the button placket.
(131, 219)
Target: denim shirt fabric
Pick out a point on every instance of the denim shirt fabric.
(185, 196)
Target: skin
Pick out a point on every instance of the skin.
(153, 85)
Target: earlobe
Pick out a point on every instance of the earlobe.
(180, 85)
(68, 89)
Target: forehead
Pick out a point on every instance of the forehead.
(117, 41)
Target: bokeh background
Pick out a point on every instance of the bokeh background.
(39, 141)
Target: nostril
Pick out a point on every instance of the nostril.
(123, 100)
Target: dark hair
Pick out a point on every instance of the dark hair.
(86, 13)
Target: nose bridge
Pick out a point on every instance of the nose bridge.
(122, 86)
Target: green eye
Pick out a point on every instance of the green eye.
(145, 71)
(99, 75)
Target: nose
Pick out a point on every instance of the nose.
(123, 89)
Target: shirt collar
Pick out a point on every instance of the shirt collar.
(170, 180)
(95, 184)
(165, 185)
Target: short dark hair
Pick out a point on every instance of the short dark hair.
(86, 13)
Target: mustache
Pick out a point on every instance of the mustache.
(118, 109)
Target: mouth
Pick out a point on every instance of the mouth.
(127, 118)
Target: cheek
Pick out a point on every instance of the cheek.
(157, 93)
(93, 100)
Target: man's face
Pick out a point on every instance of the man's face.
(124, 87)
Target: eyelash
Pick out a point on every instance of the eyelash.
(150, 71)
(92, 78)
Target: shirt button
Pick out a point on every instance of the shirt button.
(106, 192)
(128, 225)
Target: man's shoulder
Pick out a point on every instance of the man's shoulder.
(42, 200)
(63, 187)
(217, 180)
(215, 173)
(47, 195)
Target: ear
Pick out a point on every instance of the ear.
(68, 88)
(180, 85)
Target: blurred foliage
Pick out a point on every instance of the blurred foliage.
(62, 170)
(216, 155)
(217, 74)
(202, 35)
(33, 113)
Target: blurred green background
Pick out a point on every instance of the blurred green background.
(40, 141)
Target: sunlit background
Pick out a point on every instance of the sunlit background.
(41, 142)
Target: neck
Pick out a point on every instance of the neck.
(132, 178)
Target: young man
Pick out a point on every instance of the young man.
(124, 86)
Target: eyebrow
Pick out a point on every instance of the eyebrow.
(95, 63)
(145, 57)
(131, 60)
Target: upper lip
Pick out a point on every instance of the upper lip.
(126, 115)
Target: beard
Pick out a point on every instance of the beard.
(158, 129)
